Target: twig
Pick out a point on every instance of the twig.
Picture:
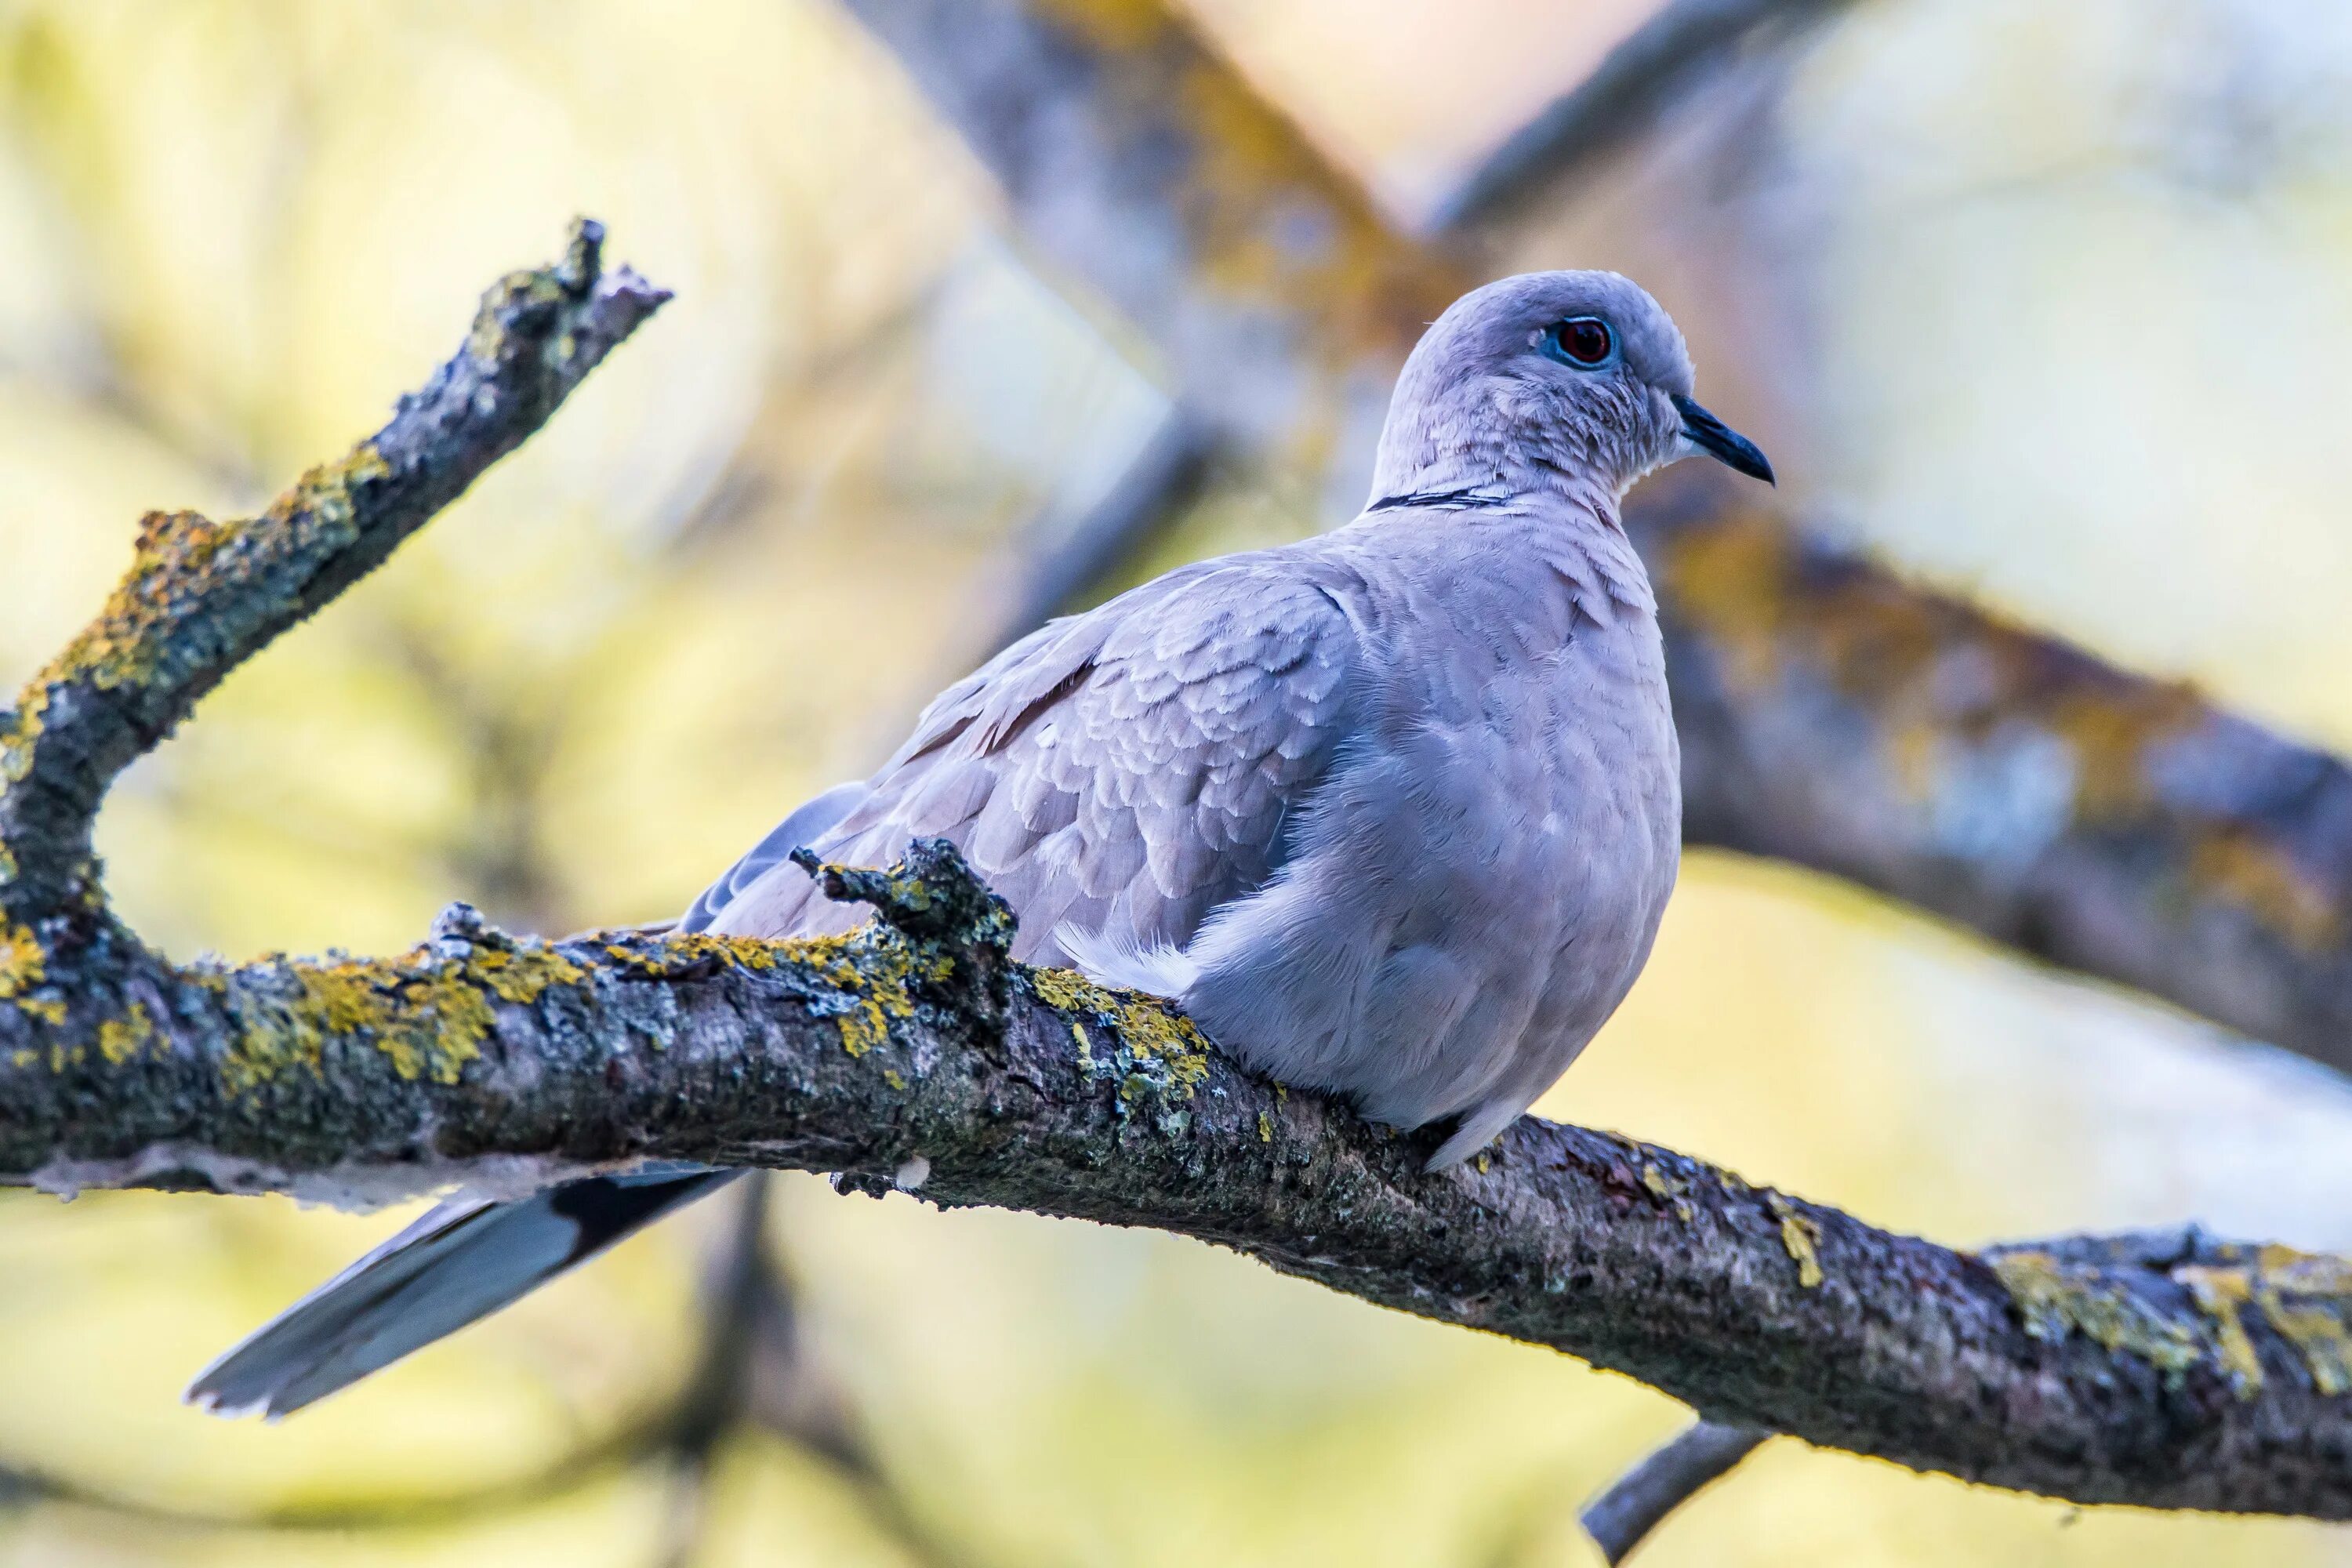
(630, 1444)
(201, 597)
(1639, 1499)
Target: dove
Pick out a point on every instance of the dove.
(1392, 812)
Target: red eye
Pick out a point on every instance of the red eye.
(1586, 339)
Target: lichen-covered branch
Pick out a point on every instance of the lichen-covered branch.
(203, 596)
(1834, 715)
(1831, 713)
(2170, 1372)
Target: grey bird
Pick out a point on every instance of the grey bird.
(1392, 812)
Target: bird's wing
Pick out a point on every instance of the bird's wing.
(1121, 772)
(806, 824)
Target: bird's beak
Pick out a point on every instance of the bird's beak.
(1720, 441)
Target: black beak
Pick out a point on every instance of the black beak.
(1721, 442)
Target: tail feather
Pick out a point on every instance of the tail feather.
(459, 1262)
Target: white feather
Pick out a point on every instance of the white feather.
(1159, 971)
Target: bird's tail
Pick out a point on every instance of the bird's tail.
(461, 1261)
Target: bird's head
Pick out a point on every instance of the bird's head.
(1547, 377)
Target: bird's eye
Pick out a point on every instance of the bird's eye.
(1584, 340)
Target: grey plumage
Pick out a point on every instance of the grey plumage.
(1393, 812)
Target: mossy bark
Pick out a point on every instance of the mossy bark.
(2171, 1370)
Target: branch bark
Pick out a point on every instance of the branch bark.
(1637, 1502)
(1831, 714)
(2170, 1371)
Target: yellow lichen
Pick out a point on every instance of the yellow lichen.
(521, 975)
(2055, 1298)
(1668, 1189)
(119, 1039)
(429, 1016)
(2304, 1298)
(324, 496)
(487, 342)
(2221, 1294)
(23, 963)
(2261, 878)
(874, 969)
(672, 954)
(1148, 1028)
(1265, 1128)
(1799, 1236)
(2307, 1297)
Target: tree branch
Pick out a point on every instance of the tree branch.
(201, 597)
(2170, 1372)
(1638, 1501)
(1630, 90)
(1831, 714)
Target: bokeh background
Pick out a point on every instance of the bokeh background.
(2044, 303)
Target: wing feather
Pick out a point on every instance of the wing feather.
(1125, 771)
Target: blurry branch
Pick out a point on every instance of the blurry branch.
(713, 1402)
(1837, 717)
(1637, 1501)
(1139, 161)
(507, 744)
(25, 1486)
(1660, 64)
(1831, 714)
(790, 1394)
(1163, 477)
(754, 1367)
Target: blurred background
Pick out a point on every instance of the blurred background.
(2041, 303)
